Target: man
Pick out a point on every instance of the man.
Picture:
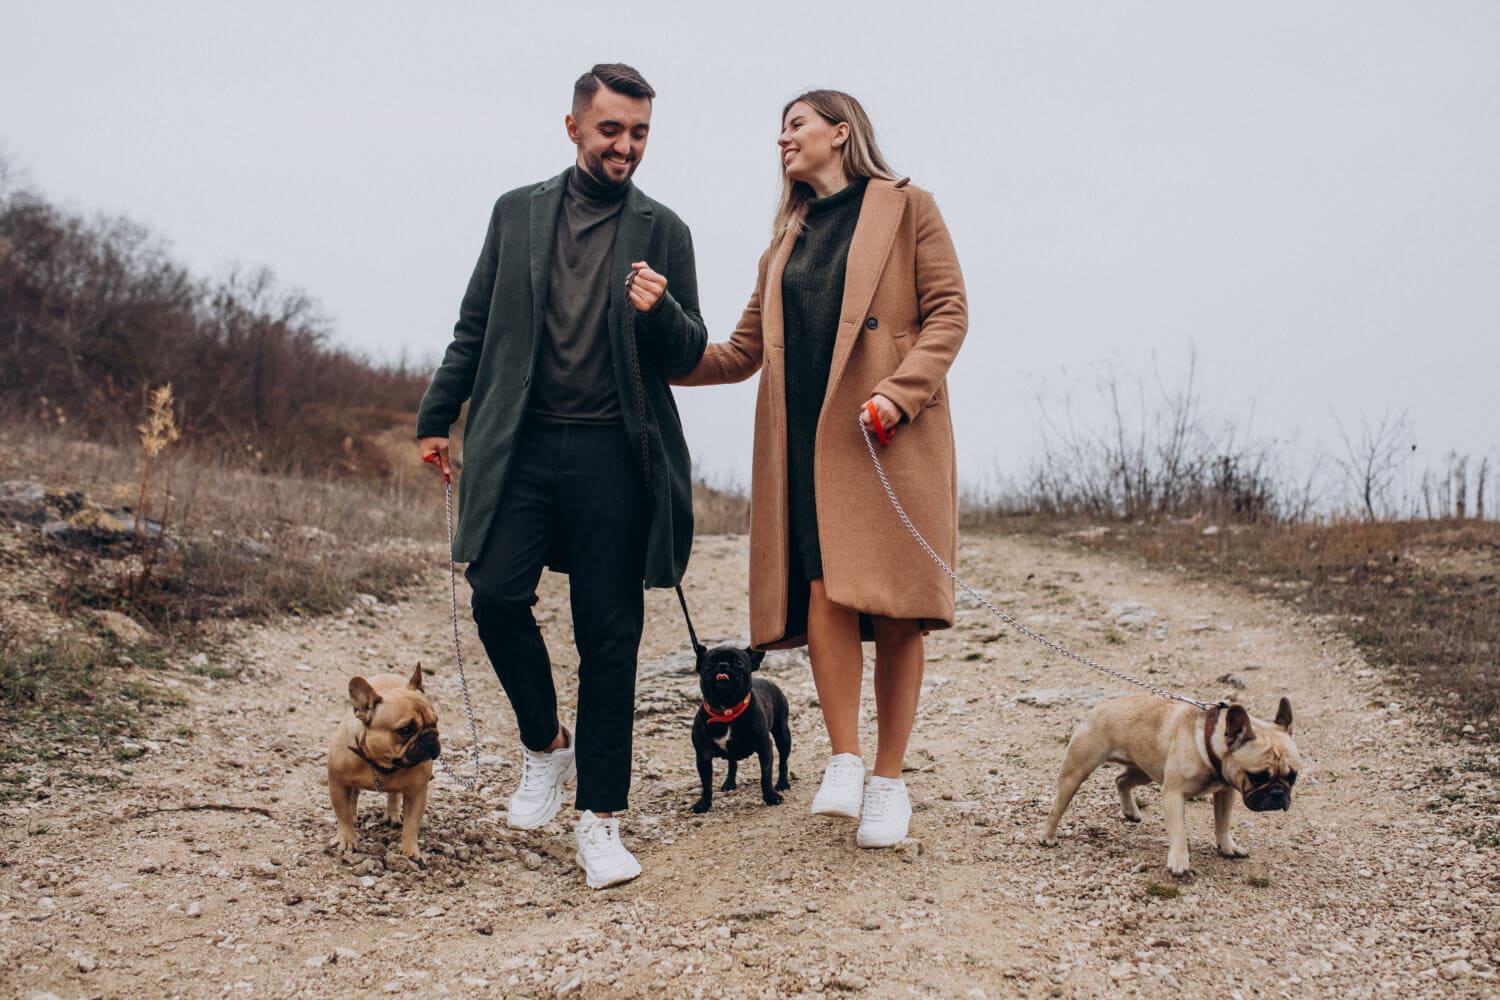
(555, 473)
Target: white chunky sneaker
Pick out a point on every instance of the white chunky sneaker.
(604, 860)
(839, 793)
(540, 795)
(887, 813)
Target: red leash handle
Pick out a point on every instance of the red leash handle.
(431, 459)
(881, 434)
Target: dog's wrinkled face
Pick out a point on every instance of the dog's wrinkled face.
(1262, 761)
(724, 674)
(397, 727)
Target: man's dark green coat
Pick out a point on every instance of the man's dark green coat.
(492, 357)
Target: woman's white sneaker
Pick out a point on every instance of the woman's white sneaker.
(839, 794)
(543, 775)
(887, 813)
(604, 860)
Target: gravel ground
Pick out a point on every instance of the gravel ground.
(1381, 881)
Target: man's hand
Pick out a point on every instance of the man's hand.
(889, 415)
(646, 287)
(438, 447)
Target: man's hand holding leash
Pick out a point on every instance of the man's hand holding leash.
(646, 287)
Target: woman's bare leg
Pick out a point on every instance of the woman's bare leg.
(899, 660)
(837, 667)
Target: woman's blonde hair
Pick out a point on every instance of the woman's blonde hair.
(860, 153)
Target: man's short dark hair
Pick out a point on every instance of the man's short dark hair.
(620, 78)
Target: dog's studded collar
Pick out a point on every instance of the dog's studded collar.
(1210, 723)
(714, 715)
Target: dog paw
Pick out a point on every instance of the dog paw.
(729, 785)
(1179, 868)
(783, 785)
(1233, 850)
(1131, 819)
(1047, 841)
(772, 798)
(702, 806)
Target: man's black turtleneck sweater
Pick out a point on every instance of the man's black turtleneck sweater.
(574, 379)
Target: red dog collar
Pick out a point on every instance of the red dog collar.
(714, 715)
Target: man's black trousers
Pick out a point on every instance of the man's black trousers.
(573, 491)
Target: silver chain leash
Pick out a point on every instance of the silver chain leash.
(458, 653)
(1007, 619)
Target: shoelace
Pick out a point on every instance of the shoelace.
(844, 775)
(879, 802)
(600, 839)
(534, 770)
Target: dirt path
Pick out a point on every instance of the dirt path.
(1369, 887)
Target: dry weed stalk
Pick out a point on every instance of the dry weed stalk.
(157, 434)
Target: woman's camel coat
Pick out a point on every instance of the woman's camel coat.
(904, 316)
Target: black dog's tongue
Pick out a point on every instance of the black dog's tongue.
(722, 677)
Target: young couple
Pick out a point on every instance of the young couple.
(858, 308)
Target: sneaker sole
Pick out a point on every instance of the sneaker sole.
(553, 807)
(595, 884)
(835, 810)
(870, 844)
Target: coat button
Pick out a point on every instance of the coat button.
(871, 323)
(526, 380)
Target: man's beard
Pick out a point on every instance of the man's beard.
(595, 167)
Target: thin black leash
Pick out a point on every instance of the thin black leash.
(638, 391)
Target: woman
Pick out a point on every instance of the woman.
(859, 305)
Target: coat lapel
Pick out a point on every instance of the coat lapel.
(632, 243)
(772, 318)
(546, 200)
(879, 217)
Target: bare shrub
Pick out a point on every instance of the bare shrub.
(1372, 460)
(94, 311)
(1155, 452)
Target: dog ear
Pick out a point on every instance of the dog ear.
(1284, 715)
(415, 684)
(756, 656)
(363, 698)
(1237, 731)
(700, 656)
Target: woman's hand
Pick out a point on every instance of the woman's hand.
(890, 416)
(646, 287)
(434, 451)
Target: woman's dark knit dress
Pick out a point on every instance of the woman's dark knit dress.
(812, 291)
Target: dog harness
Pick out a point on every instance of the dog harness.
(714, 715)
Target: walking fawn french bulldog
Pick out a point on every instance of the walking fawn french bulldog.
(741, 714)
(1189, 752)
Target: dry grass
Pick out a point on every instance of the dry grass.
(719, 511)
(249, 545)
(1419, 597)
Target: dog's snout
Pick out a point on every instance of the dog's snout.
(1269, 799)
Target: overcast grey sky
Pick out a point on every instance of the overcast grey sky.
(1307, 192)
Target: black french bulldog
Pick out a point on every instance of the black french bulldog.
(740, 715)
